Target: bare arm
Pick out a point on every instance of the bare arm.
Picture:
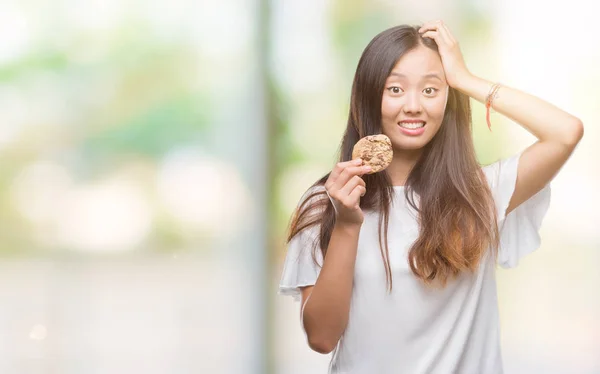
(325, 313)
(557, 131)
(558, 134)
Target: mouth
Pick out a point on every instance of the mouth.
(412, 125)
(412, 128)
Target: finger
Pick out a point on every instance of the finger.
(348, 173)
(340, 166)
(353, 182)
(440, 28)
(445, 34)
(431, 25)
(448, 34)
(436, 35)
(432, 34)
(425, 28)
(355, 195)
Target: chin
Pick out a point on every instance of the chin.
(409, 144)
(408, 147)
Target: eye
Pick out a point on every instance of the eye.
(432, 90)
(395, 89)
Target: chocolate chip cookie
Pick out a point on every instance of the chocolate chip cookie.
(375, 151)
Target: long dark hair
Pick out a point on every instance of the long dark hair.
(456, 212)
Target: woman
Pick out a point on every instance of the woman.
(396, 269)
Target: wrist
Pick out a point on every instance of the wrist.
(348, 227)
(462, 81)
(474, 87)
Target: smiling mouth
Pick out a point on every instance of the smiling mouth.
(412, 125)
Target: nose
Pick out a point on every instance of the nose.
(413, 103)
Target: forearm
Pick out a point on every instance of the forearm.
(326, 311)
(542, 119)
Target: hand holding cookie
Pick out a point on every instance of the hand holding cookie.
(345, 188)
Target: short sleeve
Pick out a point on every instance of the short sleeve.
(299, 268)
(519, 230)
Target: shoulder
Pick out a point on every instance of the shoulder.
(501, 173)
(310, 209)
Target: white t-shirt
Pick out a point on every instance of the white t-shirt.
(416, 329)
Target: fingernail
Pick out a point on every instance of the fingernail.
(358, 161)
(367, 168)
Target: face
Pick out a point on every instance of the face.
(415, 90)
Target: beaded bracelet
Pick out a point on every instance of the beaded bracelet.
(488, 102)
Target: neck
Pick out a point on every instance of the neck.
(401, 165)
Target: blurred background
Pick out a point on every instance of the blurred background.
(151, 153)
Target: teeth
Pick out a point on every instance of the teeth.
(415, 125)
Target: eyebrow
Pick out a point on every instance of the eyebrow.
(431, 75)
